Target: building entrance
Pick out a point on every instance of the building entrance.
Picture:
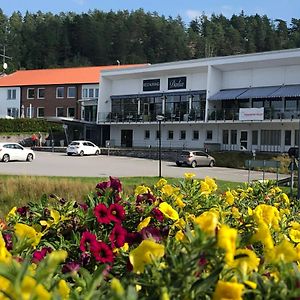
(126, 138)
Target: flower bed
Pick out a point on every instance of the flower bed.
(165, 242)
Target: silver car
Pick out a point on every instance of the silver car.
(14, 151)
(83, 148)
(194, 159)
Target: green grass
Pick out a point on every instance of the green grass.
(19, 190)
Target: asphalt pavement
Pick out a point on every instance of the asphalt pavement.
(59, 164)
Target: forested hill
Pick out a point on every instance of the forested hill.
(46, 40)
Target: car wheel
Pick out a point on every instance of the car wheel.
(211, 163)
(5, 158)
(97, 152)
(193, 164)
(178, 164)
(81, 153)
(29, 157)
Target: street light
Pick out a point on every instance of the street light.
(159, 118)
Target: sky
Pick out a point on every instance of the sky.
(187, 9)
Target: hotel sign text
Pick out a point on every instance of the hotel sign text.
(176, 83)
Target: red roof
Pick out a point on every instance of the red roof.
(80, 75)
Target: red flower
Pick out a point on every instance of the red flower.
(150, 232)
(115, 184)
(39, 255)
(116, 212)
(117, 236)
(102, 252)
(87, 239)
(102, 214)
(157, 214)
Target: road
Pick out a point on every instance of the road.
(59, 164)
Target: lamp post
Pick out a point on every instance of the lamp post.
(159, 118)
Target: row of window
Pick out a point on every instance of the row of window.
(182, 135)
(39, 112)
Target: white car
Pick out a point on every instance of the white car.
(83, 148)
(14, 151)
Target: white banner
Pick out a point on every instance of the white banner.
(251, 114)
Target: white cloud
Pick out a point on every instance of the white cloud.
(80, 2)
(192, 14)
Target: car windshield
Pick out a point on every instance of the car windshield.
(185, 153)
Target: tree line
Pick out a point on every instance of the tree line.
(46, 40)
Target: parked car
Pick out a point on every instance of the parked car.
(195, 158)
(14, 151)
(83, 148)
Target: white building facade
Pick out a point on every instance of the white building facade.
(249, 102)
(10, 102)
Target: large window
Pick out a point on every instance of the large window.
(209, 135)
(287, 137)
(13, 112)
(233, 137)
(30, 112)
(60, 92)
(255, 137)
(11, 94)
(147, 135)
(71, 92)
(182, 135)
(40, 112)
(41, 93)
(170, 134)
(195, 134)
(71, 112)
(271, 137)
(225, 137)
(30, 93)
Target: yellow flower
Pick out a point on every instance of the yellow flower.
(117, 287)
(179, 236)
(204, 188)
(245, 260)
(208, 222)
(264, 236)
(11, 213)
(167, 190)
(268, 214)
(189, 176)
(24, 231)
(228, 291)
(250, 211)
(160, 183)
(285, 252)
(294, 235)
(226, 240)
(164, 294)
(5, 255)
(141, 189)
(235, 212)
(180, 223)
(229, 197)
(285, 198)
(168, 211)
(5, 284)
(143, 223)
(250, 284)
(144, 254)
(63, 290)
(42, 293)
(56, 257)
(295, 225)
(211, 183)
(27, 286)
(179, 202)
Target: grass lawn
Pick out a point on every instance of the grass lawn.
(19, 190)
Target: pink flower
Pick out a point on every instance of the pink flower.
(116, 213)
(87, 239)
(102, 214)
(117, 236)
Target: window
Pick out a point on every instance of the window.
(84, 93)
(91, 93)
(30, 113)
(30, 93)
(170, 134)
(60, 91)
(96, 93)
(233, 137)
(255, 137)
(13, 112)
(182, 134)
(71, 112)
(40, 112)
(209, 134)
(71, 92)
(59, 111)
(270, 137)
(195, 135)
(41, 93)
(11, 94)
(287, 137)
(157, 134)
(147, 134)
(225, 137)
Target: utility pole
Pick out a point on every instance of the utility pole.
(4, 56)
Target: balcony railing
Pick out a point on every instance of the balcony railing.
(138, 118)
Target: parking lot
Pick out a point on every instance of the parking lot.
(59, 164)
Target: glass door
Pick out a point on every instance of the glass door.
(244, 140)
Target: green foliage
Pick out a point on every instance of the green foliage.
(27, 125)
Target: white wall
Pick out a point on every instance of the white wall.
(5, 103)
(104, 102)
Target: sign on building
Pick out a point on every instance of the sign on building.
(176, 83)
(251, 114)
(151, 85)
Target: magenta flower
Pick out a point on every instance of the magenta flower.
(157, 214)
(8, 240)
(133, 238)
(22, 211)
(115, 184)
(117, 236)
(71, 267)
(102, 214)
(39, 255)
(102, 252)
(87, 239)
(147, 198)
(151, 232)
(116, 212)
